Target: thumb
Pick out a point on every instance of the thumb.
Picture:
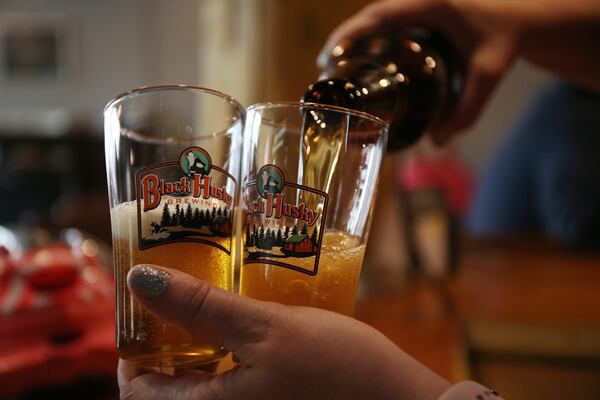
(223, 318)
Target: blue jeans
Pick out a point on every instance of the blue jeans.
(546, 176)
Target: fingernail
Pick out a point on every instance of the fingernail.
(148, 280)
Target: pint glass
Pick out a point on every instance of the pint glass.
(310, 174)
(172, 159)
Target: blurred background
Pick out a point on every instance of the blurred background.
(517, 311)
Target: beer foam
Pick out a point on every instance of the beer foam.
(336, 241)
(124, 220)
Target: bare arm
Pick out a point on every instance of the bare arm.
(562, 37)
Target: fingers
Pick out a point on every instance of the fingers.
(487, 59)
(386, 15)
(383, 15)
(136, 385)
(486, 68)
(223, 318)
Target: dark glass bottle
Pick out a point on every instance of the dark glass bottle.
(411, 79)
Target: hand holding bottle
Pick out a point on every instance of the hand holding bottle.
(558, 35)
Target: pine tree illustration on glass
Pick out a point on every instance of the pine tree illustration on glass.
(166, 216)
(187, 219)
(279, 238)
(268, 245)
(304, 230)
(175, 217)
(181, 216)
(261, 237)
(295, 230)
(202, 219)
(314, 237)
(286, 233)
(253, 236)
(196, 223)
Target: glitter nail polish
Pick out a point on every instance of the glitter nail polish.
(148, 280)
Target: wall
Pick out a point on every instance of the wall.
(265, 50)
(119, 45)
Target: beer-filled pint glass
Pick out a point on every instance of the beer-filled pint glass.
(172, 159)
(310, 175)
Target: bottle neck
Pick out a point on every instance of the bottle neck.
(411, 80)
(382, 91)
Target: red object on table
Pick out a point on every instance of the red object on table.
(444, 172)
(56, 317)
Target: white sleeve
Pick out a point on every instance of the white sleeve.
(469, 390)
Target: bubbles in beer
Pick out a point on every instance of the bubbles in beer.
(141, 336)
(333, 287)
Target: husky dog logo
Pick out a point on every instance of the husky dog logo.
(195, 160)
(270, 180)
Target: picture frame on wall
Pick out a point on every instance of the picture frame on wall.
(37, 47)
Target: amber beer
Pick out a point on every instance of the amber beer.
(310, 172)
(172, 163)
(333, 288)
(141, 336)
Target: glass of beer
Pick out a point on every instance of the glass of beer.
(309, 179)
(172, 157)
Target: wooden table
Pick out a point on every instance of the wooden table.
(520, 279)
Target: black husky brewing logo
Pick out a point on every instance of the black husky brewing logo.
(283, 222)
(185, 200)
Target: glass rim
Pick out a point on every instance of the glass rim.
(300, 104)
(184, 87)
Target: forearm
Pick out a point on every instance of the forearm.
(563, 37)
